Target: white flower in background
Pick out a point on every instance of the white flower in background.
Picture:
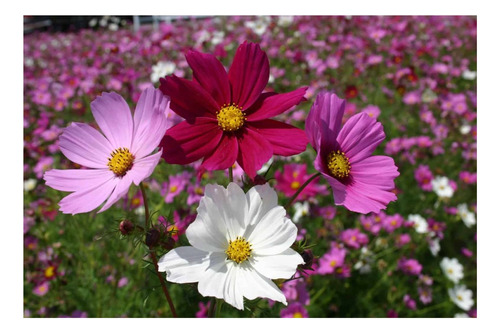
(29, 185)
(161, 69)
(240, 243)
(465, 128)
(462, 297)
(301, 209)
(453, 270)
(468, 217)
(259, 26)
(428, 96)
(419, 223)
(441, 186)
(461, 315)
(364, 265)
(217, 37)
(285, 20)
(434, 246)
(266, 166)
(469, 75)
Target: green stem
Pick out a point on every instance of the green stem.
(230, 171)
(300, 190)
(218, 307)
(152, 253)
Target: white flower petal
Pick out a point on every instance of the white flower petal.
(283, 265)
(184, 264)
(273, 234)
(208, 232)
(254, 285)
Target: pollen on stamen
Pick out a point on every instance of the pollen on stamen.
(230, 118)
(239, 250)
(338, 164)
(121, 161)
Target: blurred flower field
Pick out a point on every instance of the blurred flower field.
(414, 75)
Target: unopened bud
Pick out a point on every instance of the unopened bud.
(259, 180)
(168, 244)
(152, 237)
(308, 258)
(126, 227)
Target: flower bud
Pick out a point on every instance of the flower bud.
(126, 227)
(152, 237)
(168, 244)
(259, 180)
(308, 257)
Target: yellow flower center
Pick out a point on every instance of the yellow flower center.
(333, 263)
(121, 161)
(173, 189)
(297, 315)
(295, 185)
(238, 250)
(338, 164)
(230, 118)
(50, 272)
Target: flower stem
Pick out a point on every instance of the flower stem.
(218, 307)
(152, 253)
(230, 171)
(300, 190)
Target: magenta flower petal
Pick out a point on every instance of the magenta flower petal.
(285, 139)
(254, 151)
(88, 199)
(186, 142)
(224, 155)
(360, 136)
(188, 99)
(211, 75)
(84, 145)
(248, 74)
(270, 105)
(150, 121)
(113, 116)
(76, 179)
(326, 112)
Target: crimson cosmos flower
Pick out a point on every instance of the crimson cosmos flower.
(227, 114)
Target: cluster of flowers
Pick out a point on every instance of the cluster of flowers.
(213, 122)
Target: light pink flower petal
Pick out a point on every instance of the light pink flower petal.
(254, 151)
(359, 137)
(224, 155)
(85, 146)
(113, 116)
(144, 167)
(285, 139)
(211, 75)
(270, 104)
(150, 121)
(76, 179)
(325, 119)
(88, 199)
(187, 142)
(248, 74)
(120, 190)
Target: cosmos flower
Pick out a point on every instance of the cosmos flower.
(361, 182)
(295, 310)
(240, 243)
(227, 115)
(461, 296)
(442, 187)
(453, 270)
(115, 160)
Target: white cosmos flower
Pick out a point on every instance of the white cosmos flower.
(162, 69)
(462, 297)
(468, 217)
(419, 223)
(441, 186)
(240, 243)
(301, 210)
(452, 269)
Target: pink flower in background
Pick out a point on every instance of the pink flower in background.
(227, 114)
(402, 240)
(409, 302)
(41, 289)
(293, 177)
(331, 260)
(352, 237)
(361, 182)
(294, 310)
(391, 223)
(410, 266)
(175, 185)
(371, 110)
(424, 176)
(118, 158)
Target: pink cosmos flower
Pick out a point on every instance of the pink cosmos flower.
(361, 182)
(227, 114)
(293, 177)
(332, 260)
(410, 266)
(352, 237)
(294, 310)
(116, 159)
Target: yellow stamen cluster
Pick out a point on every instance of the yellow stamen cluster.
(338, 164)
(238, 250)
(230, 118)
(295, 185)
(121, 161)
